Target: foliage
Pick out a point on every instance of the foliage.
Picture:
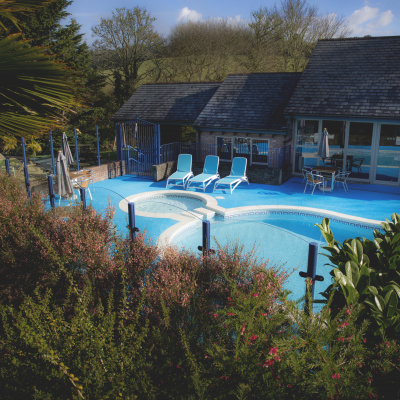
(367, 273)
(125, 41)
(289, 33)
(97, 316)
(34, 92)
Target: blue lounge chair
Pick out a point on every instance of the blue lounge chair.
(237, 175)
(210, 172)
(184, 171)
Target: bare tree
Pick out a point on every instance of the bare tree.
(125, 41)
(205, 50)
(289, 33)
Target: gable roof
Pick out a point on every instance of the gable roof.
(358, 77)
(174, 103)
(249, 102)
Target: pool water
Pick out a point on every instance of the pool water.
(281, 238)
(168, 204)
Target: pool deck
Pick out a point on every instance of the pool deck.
(374, 202)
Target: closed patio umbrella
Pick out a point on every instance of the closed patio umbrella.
(66, 150)
(323, 146)
(64, 185)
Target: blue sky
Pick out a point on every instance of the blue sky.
(365, 17)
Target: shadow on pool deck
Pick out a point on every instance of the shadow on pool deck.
(362, 200)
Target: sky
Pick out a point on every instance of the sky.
(364, 17)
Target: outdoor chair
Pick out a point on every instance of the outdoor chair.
(341, 177)
(89, 175)
(357, 162)
(210, 172)
(305, 171)
(315, 180)
(237, 175)
(81, 179)
(184, 171)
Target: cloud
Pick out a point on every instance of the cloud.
(186, 14)
(370, 21)
(386, 18)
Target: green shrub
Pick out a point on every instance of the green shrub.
(367, 273)
(88, 314)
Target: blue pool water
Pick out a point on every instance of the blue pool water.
(282, 238)
(164, 204)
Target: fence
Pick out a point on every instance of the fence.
(274, 158)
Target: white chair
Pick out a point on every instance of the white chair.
(341, 177)
(315, 180)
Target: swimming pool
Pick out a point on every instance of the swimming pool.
(282, 237)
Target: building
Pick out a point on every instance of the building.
(351, 87)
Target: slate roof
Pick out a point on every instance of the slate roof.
(167, 103)
(358, 77)
(249, 102)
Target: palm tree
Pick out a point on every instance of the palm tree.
(35, 90)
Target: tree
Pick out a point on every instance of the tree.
(34, 89)
(125, 42)
(293, 29)
(206, 50)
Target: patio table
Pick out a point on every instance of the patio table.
(327, 170)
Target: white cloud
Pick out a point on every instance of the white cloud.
(186, 14)
(369, 21)
(386, 18)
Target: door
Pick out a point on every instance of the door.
(388, 154)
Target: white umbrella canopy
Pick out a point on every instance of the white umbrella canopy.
(66, 150)
(323, 146)
(64, 185)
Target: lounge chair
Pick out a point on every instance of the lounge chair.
(184, 171)
(210, 172)
(237, 175)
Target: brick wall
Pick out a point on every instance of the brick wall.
(106, 171)
(255, 173)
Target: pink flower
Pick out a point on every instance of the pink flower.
(206, 356)
(289, 385)
(224, 377)
(243, 328)
(273, 350)
(231, 314)
(267, 363)
(344, 324)
(255, 294)
(336, 376)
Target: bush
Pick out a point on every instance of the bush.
(367, 273)
(88, 314)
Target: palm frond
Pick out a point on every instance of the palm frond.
(34, 89)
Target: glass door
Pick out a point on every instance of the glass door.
(388, 163)
(359, 149)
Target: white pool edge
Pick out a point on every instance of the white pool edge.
(186, 222)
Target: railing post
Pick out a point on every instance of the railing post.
(26, 172)
(311, 273)
(52, 152)
(7, 162)
(76, 149)
(51, 191)
(206, 239)
(98, 145)
(83, 197)
(132, 220)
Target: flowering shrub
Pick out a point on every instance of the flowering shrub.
(87, 314)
